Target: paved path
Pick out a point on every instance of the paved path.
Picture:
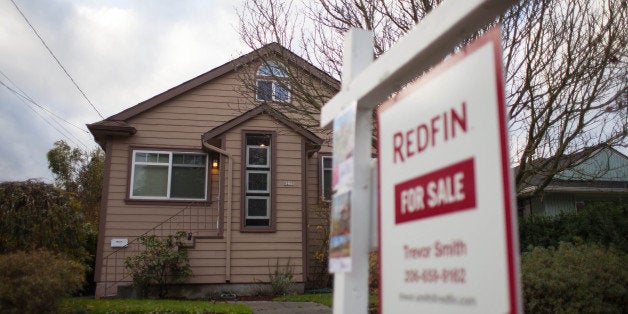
(270, 307)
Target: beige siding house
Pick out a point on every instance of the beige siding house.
(225, 163)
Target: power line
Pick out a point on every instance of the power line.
(43, 118)
(65, 134)
(56, 59)
(23, 94)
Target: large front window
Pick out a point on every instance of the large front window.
(169, 175)
(258, 183)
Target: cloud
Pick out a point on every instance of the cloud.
(119, 52)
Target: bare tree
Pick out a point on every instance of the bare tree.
(566, 82)
(268, 26)
(565, 66)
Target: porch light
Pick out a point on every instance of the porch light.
(215, 163)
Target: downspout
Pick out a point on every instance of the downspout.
(228, 209)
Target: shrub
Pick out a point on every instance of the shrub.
(163, 261)
(601, 223)
(35, 282)
(583, 278)
(373, 270)
(318, 229)
(281, 280)
(35, 215)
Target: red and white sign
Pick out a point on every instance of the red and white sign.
(447, 222)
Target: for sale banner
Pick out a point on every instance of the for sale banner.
(447, 222)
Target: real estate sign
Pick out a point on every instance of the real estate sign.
(447, 228)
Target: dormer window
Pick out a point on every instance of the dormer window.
(270, 83)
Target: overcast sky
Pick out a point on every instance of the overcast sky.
(118, 52)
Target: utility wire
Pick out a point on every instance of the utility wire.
(56, 59)
(43, 118)
(25, 96)
(67, 132)
(22, 95)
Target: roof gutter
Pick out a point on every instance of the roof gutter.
(228, 208)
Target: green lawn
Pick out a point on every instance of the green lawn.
(77, 305)
(322, 298)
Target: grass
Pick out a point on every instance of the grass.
(78, 305)
(323, 298)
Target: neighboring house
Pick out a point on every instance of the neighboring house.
(223, 162)
(597, 174)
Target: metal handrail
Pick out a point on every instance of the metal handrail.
(163, 229)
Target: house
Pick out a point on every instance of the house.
(223, 159)
(595, 174)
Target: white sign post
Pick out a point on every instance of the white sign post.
(351, 288)
(447, 224)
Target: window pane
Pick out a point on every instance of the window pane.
(152, 157)
(327, 163)
(140, 157)
(264, 90)
(264, 70)
(281, 93)
(258, 139)
(257, 156)
(190, 159)
(327, 184)
(258, 181)
(257, 207)
(199, 160)
(150, 181)
(163, 158)
(272, 68)
(188, 182)
(177, 159)
(278, 69)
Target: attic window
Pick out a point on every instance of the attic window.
(271, 85)
(272, 68)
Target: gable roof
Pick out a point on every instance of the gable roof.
(116, 125)
(580, 179)
(267, 50)
(603, 164)
(263, 108)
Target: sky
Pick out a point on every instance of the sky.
(119, 53)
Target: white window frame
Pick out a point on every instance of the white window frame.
(169, 165)
(246, 208)
(267, 165)
(266, 172)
